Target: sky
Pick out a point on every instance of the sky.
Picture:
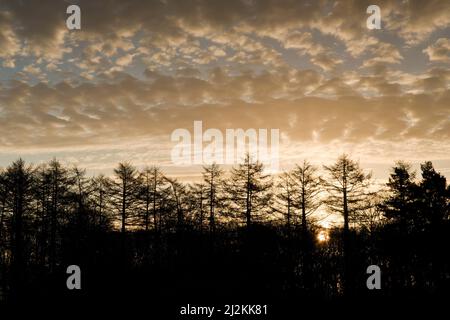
(138, 70)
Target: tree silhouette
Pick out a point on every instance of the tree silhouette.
(198, 199)
(52, 215)
(399, 205)
(19, 180)
(434, 195)
(285, 198)
(3, 230)
(59, 184)
(179, 195)
(100, 200)
(212, 177)
(125, 192)
(81, 186)
(308, 190)
(249, 190)
(346, 185)
(151, 193)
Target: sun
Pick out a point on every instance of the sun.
(323, 236)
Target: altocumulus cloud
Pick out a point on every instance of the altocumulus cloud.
(139, 69)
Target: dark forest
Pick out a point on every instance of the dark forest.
(142, 236)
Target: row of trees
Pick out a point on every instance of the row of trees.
(39, 205)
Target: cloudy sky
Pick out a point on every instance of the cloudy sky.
(116, 89)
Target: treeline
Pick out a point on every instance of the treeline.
(230, 226)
